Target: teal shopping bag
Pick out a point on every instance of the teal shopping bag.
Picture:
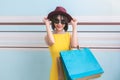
(80, 64)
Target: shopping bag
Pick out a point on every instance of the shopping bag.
(61, 75)
(80, 64)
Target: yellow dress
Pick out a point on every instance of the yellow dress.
(62, 42)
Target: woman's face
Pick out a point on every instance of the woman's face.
(59, 23)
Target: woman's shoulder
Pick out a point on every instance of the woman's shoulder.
(67, 32)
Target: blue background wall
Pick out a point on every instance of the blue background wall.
(42, 7)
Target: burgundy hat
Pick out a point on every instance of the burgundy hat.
(59, 10)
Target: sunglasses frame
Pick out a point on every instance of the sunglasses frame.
(56, 21)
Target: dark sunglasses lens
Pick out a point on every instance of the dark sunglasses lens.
(56, 21)
(63, 22)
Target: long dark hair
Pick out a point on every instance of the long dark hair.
(55, 17)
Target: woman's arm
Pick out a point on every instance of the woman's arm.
(74, 37)
(49, 37)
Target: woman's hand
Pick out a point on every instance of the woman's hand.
(74, 22)
(46, 21)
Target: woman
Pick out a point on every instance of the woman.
(59, 39)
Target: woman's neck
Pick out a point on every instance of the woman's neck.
(58, 32)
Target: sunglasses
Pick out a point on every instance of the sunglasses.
(56, 21)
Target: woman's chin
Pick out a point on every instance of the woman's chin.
(59, 29)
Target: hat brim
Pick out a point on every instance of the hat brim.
(50, 15)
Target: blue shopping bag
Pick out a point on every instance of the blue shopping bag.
(80, 63)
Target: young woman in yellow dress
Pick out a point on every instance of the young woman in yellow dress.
(59, 39)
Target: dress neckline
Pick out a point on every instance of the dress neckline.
(60, 33)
